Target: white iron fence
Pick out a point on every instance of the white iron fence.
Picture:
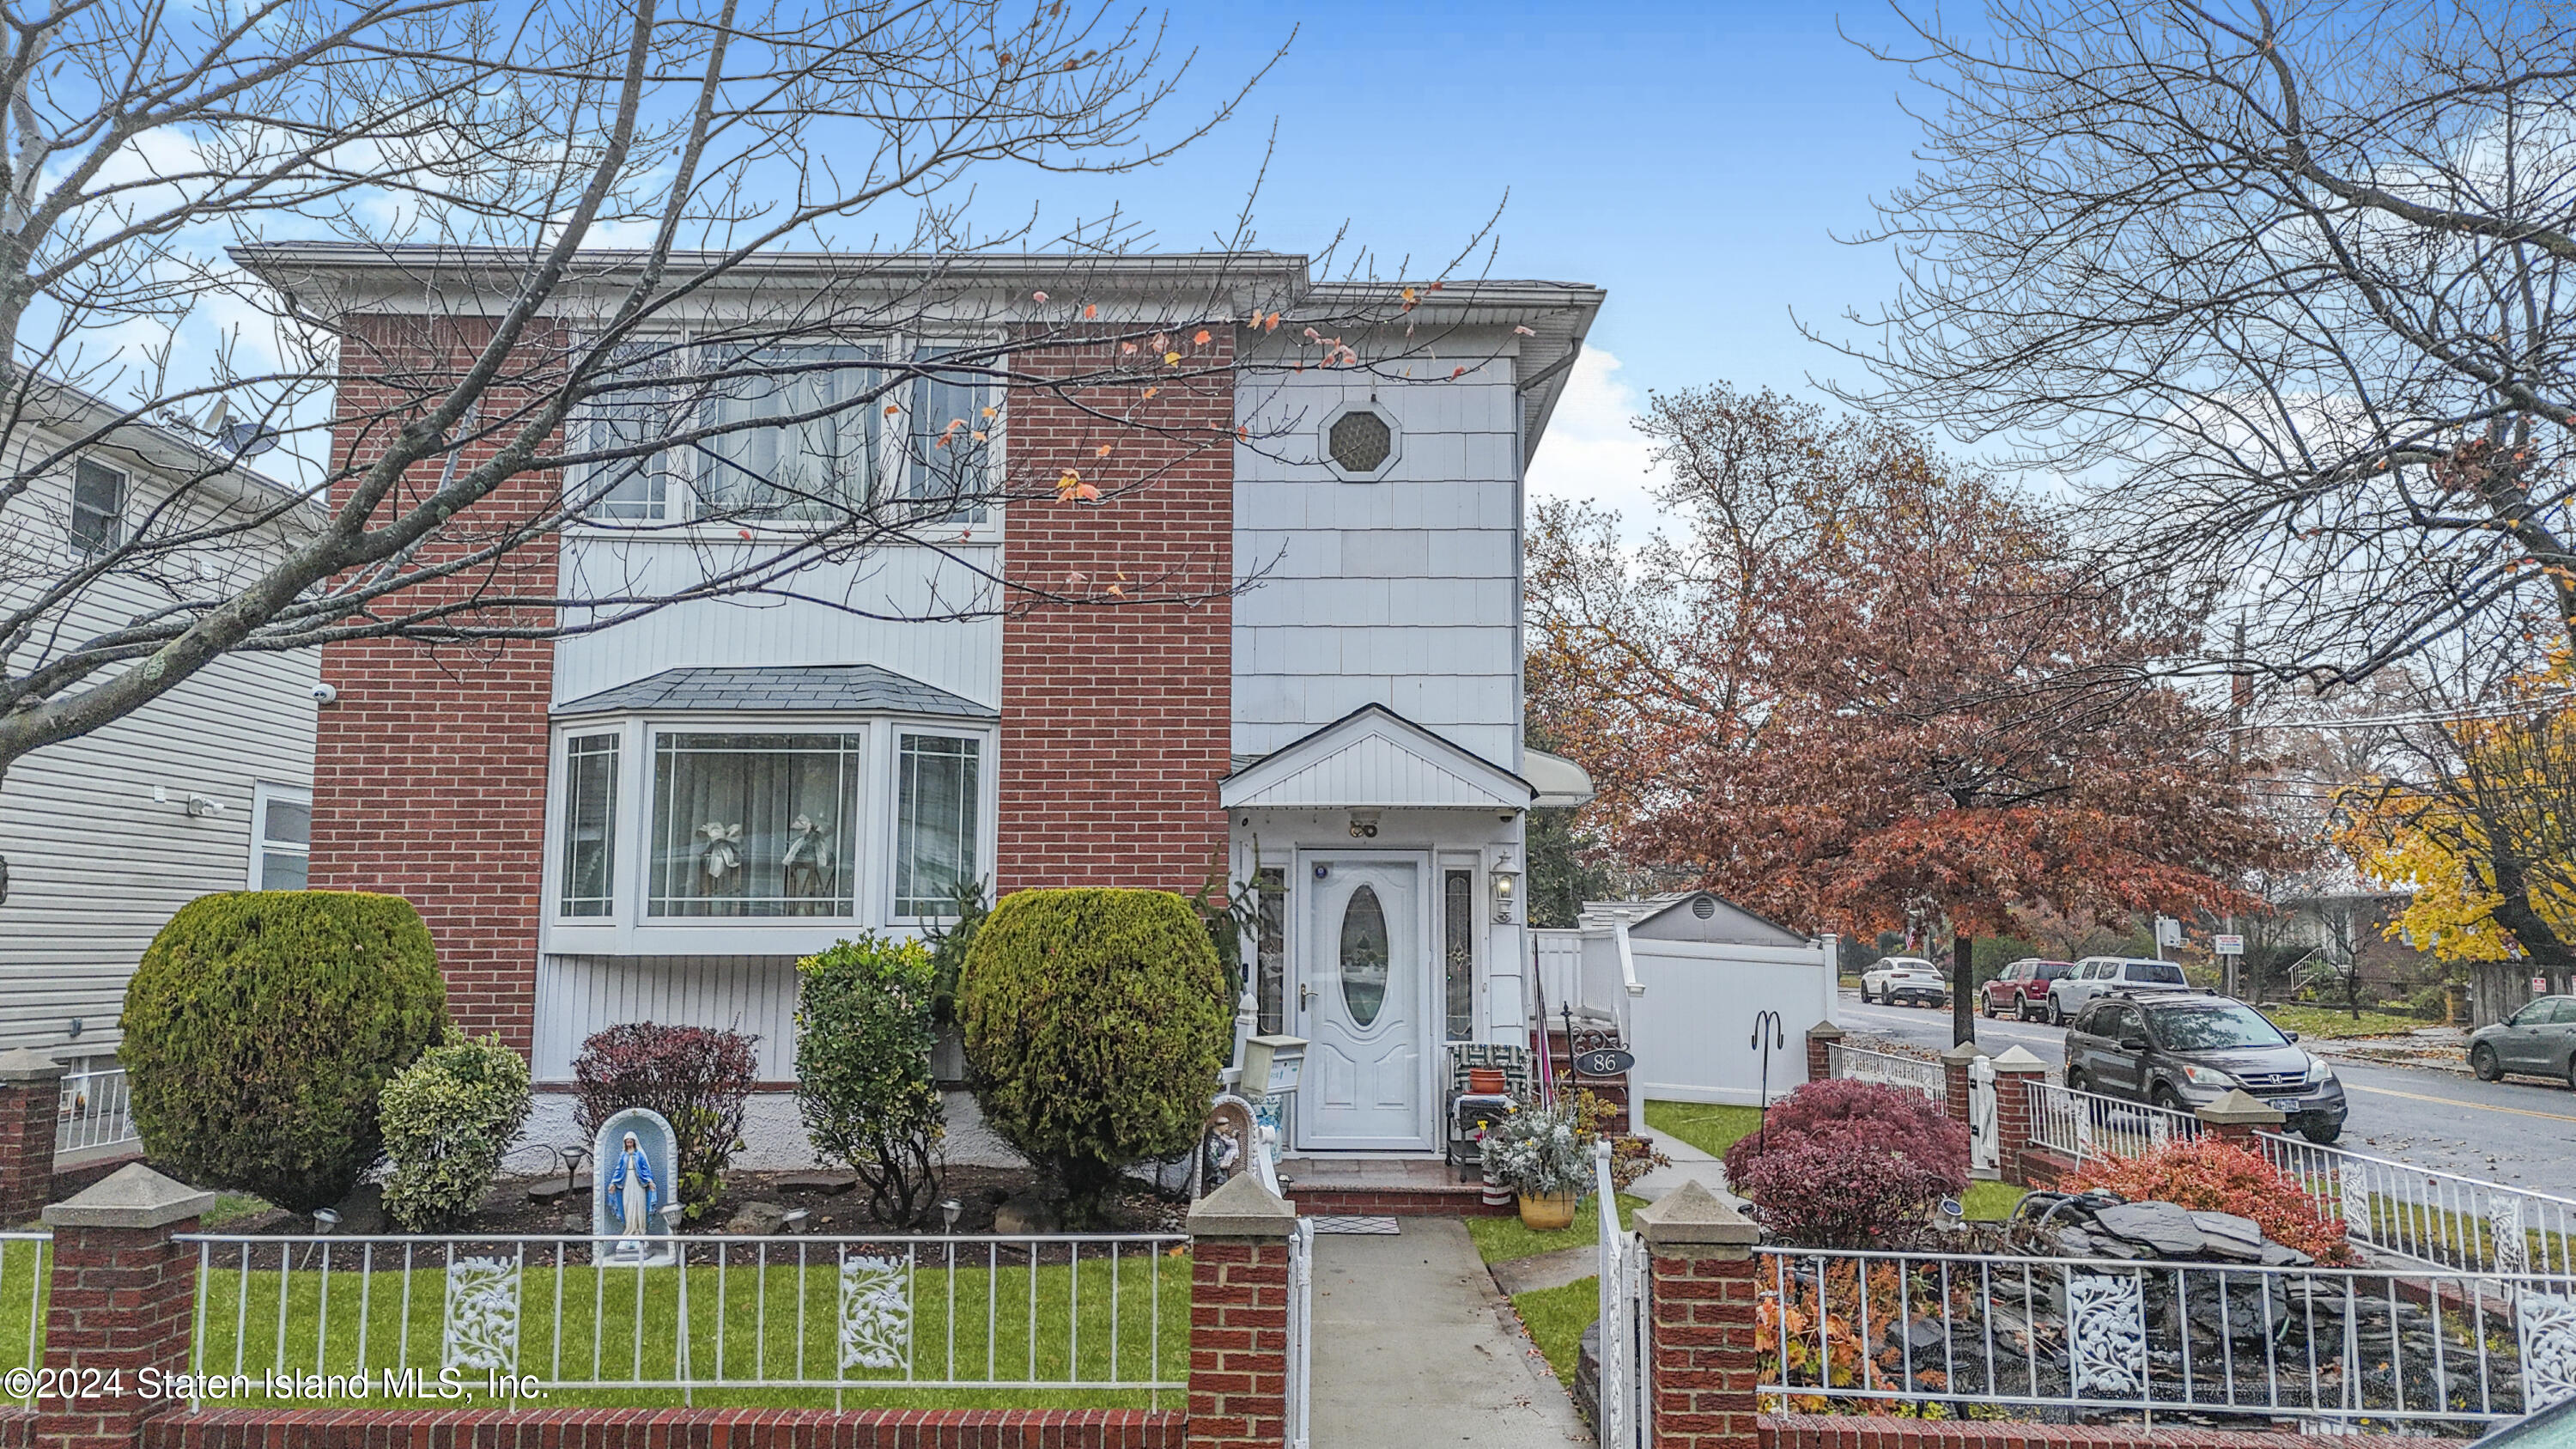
(2085, 1125)
(1909, 1073)
(1061, 1313)
(2338, 1344)
(1623, 1400)
(2433, 1217)
(95, 1112)
(26, 1261)
(1301, 1331)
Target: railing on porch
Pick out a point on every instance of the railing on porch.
(2433, 1217)
(1888, 1070)
(2336, 1344)
(96, 1111)
(1058, 1312)
(2084, 1125)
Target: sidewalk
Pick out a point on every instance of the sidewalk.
(1414, 1347)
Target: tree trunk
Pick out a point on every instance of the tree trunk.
(1963, 987)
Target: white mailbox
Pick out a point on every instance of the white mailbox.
(1271, 1065)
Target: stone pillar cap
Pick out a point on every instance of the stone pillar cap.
(2019, 1059)
(26, 1064)
(134, 1196)
(1966, 1051)
(1242, 1208)
(2238, 1110)
(1690, 1215)
(1826, 1030)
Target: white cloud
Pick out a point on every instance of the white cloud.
(1592, 453)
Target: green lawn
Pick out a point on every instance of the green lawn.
(582, 1323)
(2333, 1024)
(1501, 1239)
(1556, 1318)
(1708, 1126)
(1991, 1201)
(24, 1288)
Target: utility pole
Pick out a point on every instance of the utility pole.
(2240, 693)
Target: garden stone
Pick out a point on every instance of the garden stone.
(2160, 1227)
(758, 1219)
(1024, 1214)
(2282, 1255)
(829, 1184)
(556, 1189)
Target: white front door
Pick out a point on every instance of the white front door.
(1364, 988)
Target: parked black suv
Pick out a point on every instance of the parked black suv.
(2184, 1050)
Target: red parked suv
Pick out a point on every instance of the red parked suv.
(2022, 988)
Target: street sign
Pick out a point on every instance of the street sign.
(2227, 945)
(2168, 931)
(1603, 1062)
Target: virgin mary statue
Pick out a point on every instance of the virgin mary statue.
(637, 1195)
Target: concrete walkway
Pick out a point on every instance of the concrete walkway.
(1414, 1347)
(1688, 1162)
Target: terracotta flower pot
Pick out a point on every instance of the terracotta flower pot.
(1547, 1213)
(1487, 1081)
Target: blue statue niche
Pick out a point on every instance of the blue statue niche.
(634, 1183)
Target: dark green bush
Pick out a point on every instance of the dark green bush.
(1096, 1022)
(864, 1028)
(261, 1029)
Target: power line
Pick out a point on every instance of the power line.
(2490, 711)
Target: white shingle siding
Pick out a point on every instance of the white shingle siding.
(1404, 592)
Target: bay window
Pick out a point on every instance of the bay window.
(752, 824)
(936, 823)
(589, 825)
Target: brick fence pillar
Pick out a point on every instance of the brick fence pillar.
(1954, 1078)
(2015, 1070)
(122, 1290)
(1820, 1050)
(31, 1095)
(2236, 1117)
(1239, 1317)
(1703, 1338)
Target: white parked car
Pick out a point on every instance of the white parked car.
(1905, 981)
(2072, 992)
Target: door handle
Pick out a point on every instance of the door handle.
(1305, 996)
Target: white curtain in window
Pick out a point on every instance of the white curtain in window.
(589, 825)
(935, 824)
(753, 825)
(815, 468)
(949, 445)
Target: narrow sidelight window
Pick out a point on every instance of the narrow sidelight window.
(934, 831)
(589, 825)
(1270, 947)
(1458, 951)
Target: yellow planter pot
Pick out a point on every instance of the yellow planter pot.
(1548, 1213)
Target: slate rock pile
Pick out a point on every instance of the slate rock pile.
(2097, 1227)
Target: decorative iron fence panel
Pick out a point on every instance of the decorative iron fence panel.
(96, 1112)
(1058, 1313)
(1888, 1070)
(2084, 1125)
(1301, 1331)
(1623, 1405)
(2340, 1344)
(2433, 1217)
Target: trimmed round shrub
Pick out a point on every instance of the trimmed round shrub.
(448, 1118)
(261, 1028)
(1847, 1164)
(698, 1077)
(866, 1017)
(2208, 1175)
(1096, 1023)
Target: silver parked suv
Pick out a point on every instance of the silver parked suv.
(2093, 975)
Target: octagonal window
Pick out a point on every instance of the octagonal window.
(1360, 441)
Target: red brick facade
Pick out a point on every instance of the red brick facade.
(667, 1429)
(121, 1302)
(1840, 1431)
(1238, 1344)
(1700, 1306)
(1117, 722)
(429, 777)
(28, 1106)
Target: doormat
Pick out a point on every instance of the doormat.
(1328, 1223)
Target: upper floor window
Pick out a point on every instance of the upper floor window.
(98, 507)
(281, 847)
(752, 825)
(951, 418)
(816, 461)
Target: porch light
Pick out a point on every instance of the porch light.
(1507, 884)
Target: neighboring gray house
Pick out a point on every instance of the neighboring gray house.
(206, 789)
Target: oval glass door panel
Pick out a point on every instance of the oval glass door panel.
(1364, 956)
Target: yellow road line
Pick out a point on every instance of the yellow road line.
(2456, 1102)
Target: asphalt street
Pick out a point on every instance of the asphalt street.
(2520, 1131)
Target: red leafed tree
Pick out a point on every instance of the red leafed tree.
(1853, 683)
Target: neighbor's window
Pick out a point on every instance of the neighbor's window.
(818, 462)
(589, 825)
(752, 825)
(281, 851)
(1458, 948)
(934, 828)
(98, 507)
(948, 444)
(1270, 946)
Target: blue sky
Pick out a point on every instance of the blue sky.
(1696, 160)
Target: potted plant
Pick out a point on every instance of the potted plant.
(1542, 1154)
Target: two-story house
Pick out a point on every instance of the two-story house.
(1345, 727)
